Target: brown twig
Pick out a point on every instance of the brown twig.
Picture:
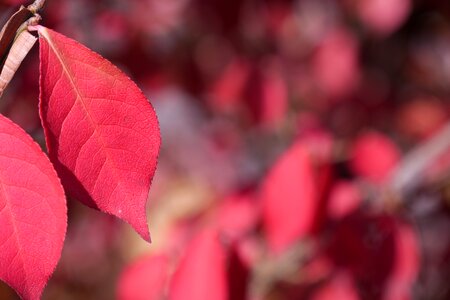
(9, 32)
(11, 37)
(36, 6)
(19, 50)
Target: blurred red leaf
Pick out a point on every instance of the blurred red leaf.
(345, 198)
(237, 215)
(274, 95)
(380, 251)
(227, 90)
(289, 199)
(102, 133)
(365, 245)
(33, 213)
(261, 93)
(145, 279)
(374, 156)
(336, 63)
(406, 264)
(201, 274)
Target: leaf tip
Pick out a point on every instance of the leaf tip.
(140, 226)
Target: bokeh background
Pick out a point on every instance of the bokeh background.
(306, 149)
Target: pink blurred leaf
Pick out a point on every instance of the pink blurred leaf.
(406, 264)
(335, 65)
(227, 91)
(237, 215)
(384, 16)
(345, 198)
(145, 279)
(201, 274)
(274, 95)
(102, 133)
(289, 199)
(33, 213)
(374, 156)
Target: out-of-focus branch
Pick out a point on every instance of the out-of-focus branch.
(273, 269)
(409, 172)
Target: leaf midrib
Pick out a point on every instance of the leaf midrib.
(79, 98)
(14, 225)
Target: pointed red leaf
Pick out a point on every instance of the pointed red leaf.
(102, 133)
(201, 274)
(289, 199)
(33, 213)
(145, 279)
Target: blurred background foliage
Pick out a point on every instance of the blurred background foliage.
(247, 93)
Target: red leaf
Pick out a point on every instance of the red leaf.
(33, 213)
(201, 274)
(145, 279)
(289, 199)
(102, 133)
(335, 66)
